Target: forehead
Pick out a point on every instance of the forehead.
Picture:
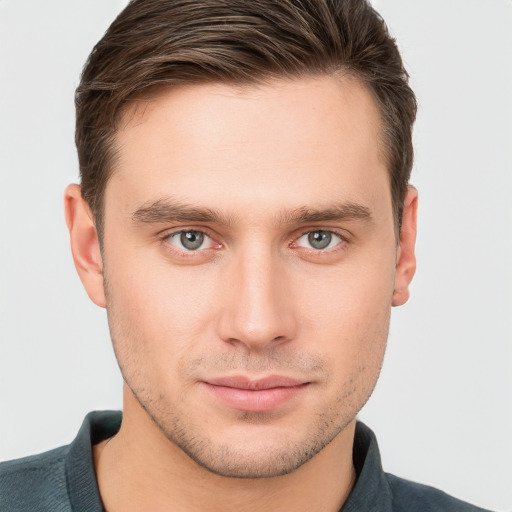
(286, 142)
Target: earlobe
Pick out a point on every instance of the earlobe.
(406, 257)
(85, 245)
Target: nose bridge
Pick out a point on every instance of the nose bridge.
(258, 312)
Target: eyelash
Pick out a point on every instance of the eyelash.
(343, 240)
(167, 236)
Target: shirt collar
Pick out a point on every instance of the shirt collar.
(81, 478)
(371, 492)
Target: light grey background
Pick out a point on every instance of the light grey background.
(442, 409)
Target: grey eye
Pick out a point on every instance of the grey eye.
(319, 239)
(191, 240)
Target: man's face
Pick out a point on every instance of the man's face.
(249, 265)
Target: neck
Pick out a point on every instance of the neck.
(140, 469)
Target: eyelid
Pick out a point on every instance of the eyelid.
(166, 235)
(342, 235)
(168, 232)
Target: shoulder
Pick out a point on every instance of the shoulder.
(409, 495)
(37, 482)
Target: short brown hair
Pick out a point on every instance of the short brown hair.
(167, 42)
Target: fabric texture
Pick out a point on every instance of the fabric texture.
(63, 480)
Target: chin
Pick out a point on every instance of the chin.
(253, 449)
(266, 462)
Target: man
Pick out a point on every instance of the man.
(245, 218)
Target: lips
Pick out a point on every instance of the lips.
(255, 395)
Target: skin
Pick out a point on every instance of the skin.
(255, 300)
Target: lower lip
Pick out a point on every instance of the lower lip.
(256, 400)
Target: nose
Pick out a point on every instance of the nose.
(258, 308)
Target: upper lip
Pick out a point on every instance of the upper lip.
(242, 382)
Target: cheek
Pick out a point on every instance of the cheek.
(157, 314)
(348, 315)
(350, 298)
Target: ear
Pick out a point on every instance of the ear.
(85, 245)
(406, 257)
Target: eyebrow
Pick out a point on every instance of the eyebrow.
(169, 210)
(340, 212)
